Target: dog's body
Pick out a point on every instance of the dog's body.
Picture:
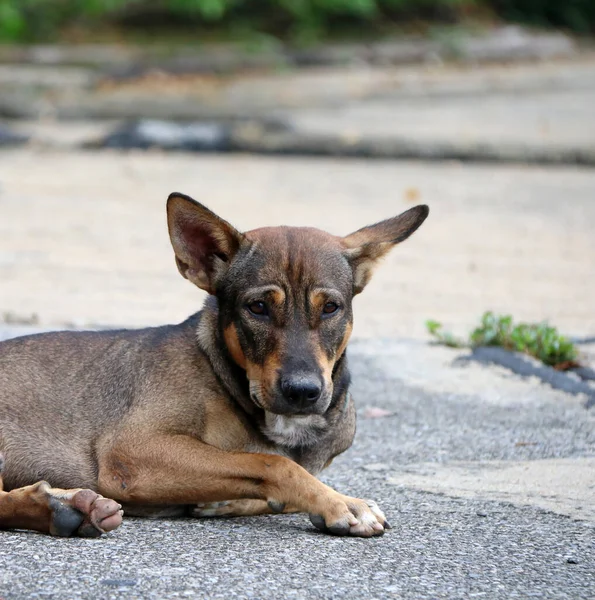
(228, 413)
(104, 382)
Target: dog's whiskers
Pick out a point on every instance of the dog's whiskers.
(256, 392)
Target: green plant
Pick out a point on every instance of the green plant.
(296, 20)
(444, 337)
(577, 15)
(539, 340)
(42, 20)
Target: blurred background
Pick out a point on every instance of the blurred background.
(329, 113)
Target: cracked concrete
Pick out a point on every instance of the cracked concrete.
(563, 486)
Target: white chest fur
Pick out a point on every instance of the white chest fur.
(299, 430)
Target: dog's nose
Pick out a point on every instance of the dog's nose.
(301, 390)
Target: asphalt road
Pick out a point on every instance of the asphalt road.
(439, 547)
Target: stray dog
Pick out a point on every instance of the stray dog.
(231, 412)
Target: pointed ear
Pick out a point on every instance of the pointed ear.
(204, 244)
(368, 245)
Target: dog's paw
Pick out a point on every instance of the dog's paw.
(351, 516)
(232, 508)
(212, 509)
(81, 512)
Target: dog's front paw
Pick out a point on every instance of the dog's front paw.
(351, 516)
(81, 512)
(236, 508)
(212, 509)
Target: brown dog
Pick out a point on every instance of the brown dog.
(228, 413)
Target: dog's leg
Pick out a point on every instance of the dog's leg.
(182, 470)
(236, 508)
(59, 512)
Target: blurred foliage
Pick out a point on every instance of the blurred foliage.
(576, 15)
(539, 340)
(30, 20)
(43, 20)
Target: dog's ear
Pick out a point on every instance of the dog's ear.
(204, 243)
(368, 245)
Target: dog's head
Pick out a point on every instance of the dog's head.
(284, 295)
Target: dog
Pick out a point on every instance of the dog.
(232, 412)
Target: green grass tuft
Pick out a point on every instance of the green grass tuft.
(539, 340)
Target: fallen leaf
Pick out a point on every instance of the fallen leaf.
(374, 412)
(412, 194)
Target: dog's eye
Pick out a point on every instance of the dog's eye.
(258, 308)
(329, 308)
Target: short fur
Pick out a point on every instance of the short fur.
(231, 412)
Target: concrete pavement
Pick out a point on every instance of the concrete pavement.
(83, 237)
(487, 478)
(540, 112)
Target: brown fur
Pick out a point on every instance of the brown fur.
(230, 335)
(232, 412)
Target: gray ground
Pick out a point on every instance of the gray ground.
(531, 534)
(537, 112)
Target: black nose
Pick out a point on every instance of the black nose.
(301, 390)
